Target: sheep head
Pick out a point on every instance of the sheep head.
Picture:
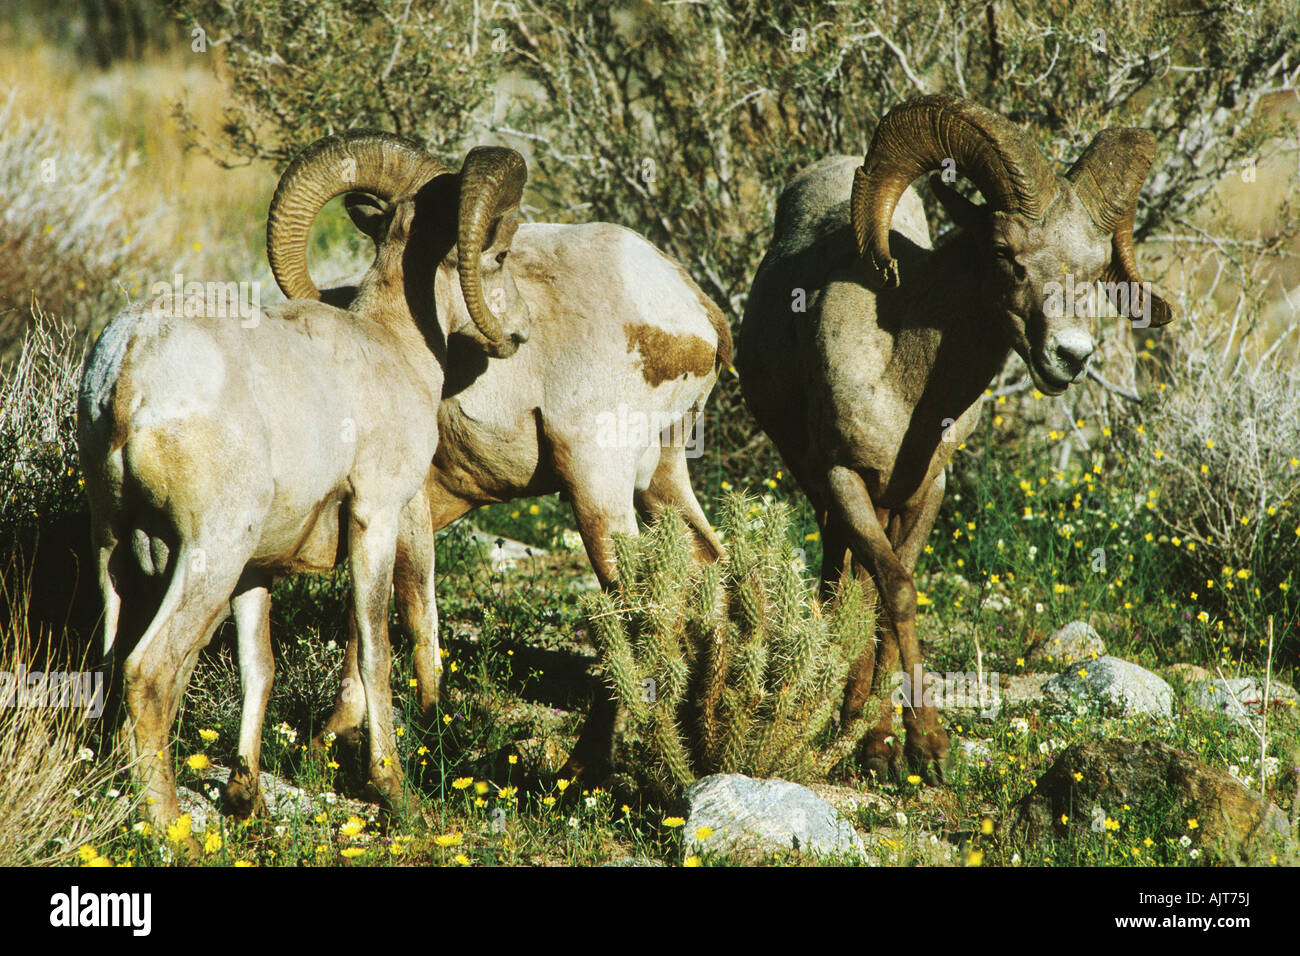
(432, 228)
(1041, 235)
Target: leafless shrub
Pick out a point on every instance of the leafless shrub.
(63, 241)
(1222, 435)
(39, 472)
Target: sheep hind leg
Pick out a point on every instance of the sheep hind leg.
(105, 546)
(880, 751)
(241, 796)
(598, 518)
(414, 585)
(349, 713)
(927, 748)
(157, 672)
(670, 486)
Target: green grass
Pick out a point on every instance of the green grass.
(483, 784)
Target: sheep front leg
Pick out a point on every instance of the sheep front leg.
(908, 532)
(415, 594)
(927, 745)
(372, 539)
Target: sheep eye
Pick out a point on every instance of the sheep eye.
(501, 256)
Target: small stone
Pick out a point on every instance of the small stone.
(1076, 641)
(749, 816)
(1023, 687)
(890, 846)
(1112, 683)
(634, 861)
(505, 553)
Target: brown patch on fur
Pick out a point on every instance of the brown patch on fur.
(716, 318)
(665, 356)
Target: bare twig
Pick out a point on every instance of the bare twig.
(1263, 736)
(1112, 388)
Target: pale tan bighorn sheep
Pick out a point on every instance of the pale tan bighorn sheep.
(219, 457)
(624, 345)
(869, 391)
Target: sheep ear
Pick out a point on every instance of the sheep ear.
(966, 214)
(367, 214)
(400, 219)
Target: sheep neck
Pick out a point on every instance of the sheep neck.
(956, 348)
(385, 297)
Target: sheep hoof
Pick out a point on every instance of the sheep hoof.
(929, 755)
(349, 737)
(386, 788)
(881, 754)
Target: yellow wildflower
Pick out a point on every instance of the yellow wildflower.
(181, 829)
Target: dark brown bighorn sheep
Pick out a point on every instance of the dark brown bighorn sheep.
(221, 455)
(864, 352)
(625, 349)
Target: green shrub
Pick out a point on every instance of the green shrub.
(733, 667)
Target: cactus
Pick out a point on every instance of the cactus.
(727, 667)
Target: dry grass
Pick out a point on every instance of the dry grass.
(55, 791)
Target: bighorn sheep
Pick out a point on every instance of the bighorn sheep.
(868, 393)
(624, 345)
(220, 457)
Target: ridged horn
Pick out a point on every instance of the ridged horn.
(491, 185)
(917, 137)
(1107, 178)
(383, 164)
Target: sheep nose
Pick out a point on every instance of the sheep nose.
(519, 337)
(1072, 352)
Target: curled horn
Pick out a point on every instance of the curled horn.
(382, 164)
(492, 185)
(1107, 179)
(917, 137)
